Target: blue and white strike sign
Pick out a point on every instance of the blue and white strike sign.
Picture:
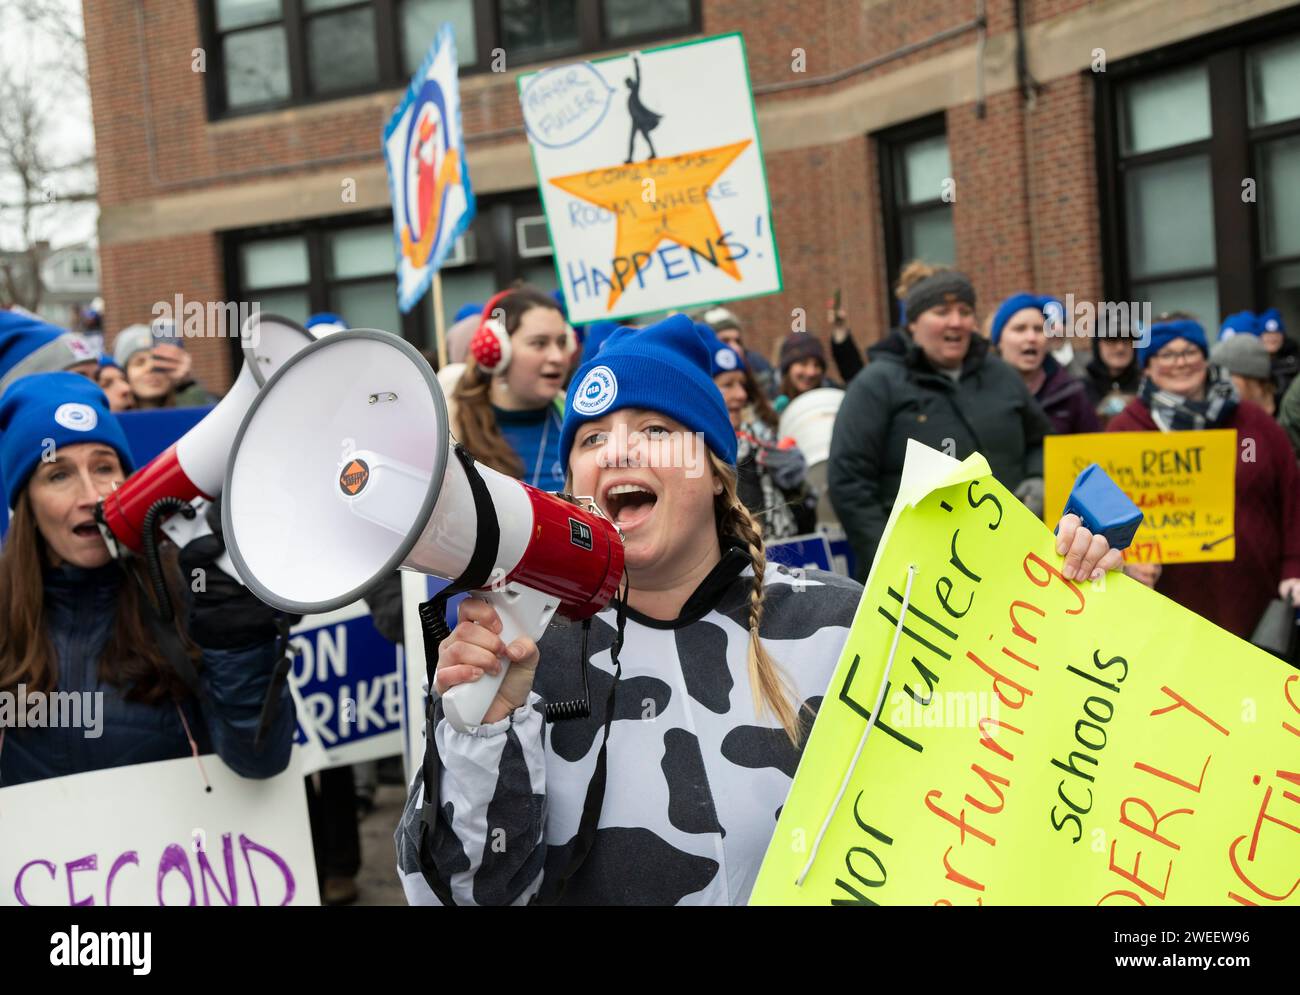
(428, 180)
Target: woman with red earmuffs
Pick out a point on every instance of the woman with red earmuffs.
(505, 408)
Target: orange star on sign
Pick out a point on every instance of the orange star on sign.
(659, 200)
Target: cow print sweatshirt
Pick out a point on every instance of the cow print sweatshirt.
(695, 779)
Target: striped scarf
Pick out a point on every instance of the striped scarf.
(1175, 413)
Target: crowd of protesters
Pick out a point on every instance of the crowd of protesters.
(695, 548)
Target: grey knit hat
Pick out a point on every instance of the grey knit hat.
(129, 341)
(1243, 355)
(935, 290)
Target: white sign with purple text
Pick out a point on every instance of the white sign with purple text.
(152, 834)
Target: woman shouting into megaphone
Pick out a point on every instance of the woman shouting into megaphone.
(705, 679)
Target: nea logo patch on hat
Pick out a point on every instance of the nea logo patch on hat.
(725, 359)
(77, 417)
(596, 392)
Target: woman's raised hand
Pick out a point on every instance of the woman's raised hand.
(1087, 556)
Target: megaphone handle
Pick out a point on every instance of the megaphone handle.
(523, 612)
(182, 530)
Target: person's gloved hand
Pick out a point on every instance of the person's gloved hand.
(787, 466)
(1031, 494)
(224, 614)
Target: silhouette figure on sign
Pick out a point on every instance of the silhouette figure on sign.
(644, 120)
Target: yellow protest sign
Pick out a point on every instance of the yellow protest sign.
(1184, 482)
(1039, 742)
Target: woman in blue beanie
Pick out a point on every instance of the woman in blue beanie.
(770, 472)
(1020, 333)
(112, 381)
(1281, 347)
(1182, 391)
(73, 620)
(723, 660)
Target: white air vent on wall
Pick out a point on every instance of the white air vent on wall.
(532, 238)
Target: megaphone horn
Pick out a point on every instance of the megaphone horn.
(343, 471)
(195, 465)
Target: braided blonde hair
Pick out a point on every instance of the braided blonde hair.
(772, 691)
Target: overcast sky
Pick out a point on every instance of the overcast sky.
(35, 56)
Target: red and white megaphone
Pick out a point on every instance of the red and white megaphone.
(194, 466)
(343, 471)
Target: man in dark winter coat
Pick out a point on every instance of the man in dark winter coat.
(947, 391)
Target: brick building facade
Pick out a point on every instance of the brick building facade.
(1072, 133)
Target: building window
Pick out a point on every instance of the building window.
(916, 190)
(347, 264)
(1199, 160)
(420, 20)
(275, 53)
(1273, 81)
(1169, 208)
(340, 46)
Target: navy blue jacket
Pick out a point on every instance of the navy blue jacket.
(80, 610)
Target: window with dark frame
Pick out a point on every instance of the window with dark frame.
(265, 54)
(1199, 165)
(346, 265)
(916, 193)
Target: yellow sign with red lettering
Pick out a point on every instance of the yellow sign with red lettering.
(1036, 741)
(1184, 482)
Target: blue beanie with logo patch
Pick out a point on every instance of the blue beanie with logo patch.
(722, 357)
(64, 408)
(1271, 321)
(665, 367)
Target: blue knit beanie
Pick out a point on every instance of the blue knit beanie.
(62, 407)
(1018, 302)
(29, 345)
(1271, 321)
(597, 333)
(722, 358)
(1241, 323)
(335, 321)
(1164, 332)
(663, 367)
